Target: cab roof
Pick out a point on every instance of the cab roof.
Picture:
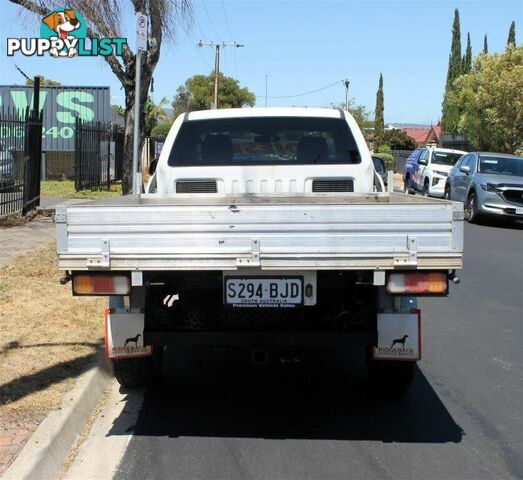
(264, 112)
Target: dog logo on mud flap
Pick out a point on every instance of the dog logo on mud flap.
(132, 340)
(398, 348)
(399, 341)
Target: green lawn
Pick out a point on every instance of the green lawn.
(65, 189)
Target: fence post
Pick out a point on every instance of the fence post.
(33, 161)
(77, 154)
(108, 140)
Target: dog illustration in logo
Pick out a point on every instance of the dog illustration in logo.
(62, 23)
(400, 341)
(132, 340)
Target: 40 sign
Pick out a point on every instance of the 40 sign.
(61, 105)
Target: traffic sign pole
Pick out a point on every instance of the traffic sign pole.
(141, 45)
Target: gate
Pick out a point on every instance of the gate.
(98, 155)
(20, 161)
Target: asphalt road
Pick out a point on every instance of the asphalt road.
(216, 417)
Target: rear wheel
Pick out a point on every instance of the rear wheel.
(406, 185)
(426, 188)
(139, 372)
(447, 192)
(393, 376)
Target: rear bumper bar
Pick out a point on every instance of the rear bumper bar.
(261, 339)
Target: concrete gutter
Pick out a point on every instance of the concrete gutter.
(49, 204)
(46, 451)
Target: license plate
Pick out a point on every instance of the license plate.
(263, 291)
(519, 210)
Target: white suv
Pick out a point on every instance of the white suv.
(433, 166)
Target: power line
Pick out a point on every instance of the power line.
(14, 63)
(307, 93)
(22, 72)
(227, 22)
(209, 17)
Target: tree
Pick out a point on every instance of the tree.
(511, 40)
(43, 81)
(467, 59)
(118, 110)
(154, 115)
(491, 101)
(164, 17)
(379, 123)
(485, 44)
(450, 117)
(161, 130)
(397, 140)
(198, 91)
(359, 112)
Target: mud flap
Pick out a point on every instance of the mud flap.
(124, 335)
(399, 337)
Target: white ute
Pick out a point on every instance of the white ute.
(262, 229)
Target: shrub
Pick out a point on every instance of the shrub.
(160, 131)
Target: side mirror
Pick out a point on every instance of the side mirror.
(422, 162)
(465, 169)
(152, 166)
(379, 164)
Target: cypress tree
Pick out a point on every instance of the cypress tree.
(511, 40)
(379, 124)
(450, 117)
(455, 50)
(485, 44)
(467, 59)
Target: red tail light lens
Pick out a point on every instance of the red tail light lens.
(417, 283)
(101, 284)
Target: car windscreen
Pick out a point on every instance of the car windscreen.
(512, 166)
(264, 141)
(445, 158)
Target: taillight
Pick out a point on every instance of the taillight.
(101, 284)
(417, 283)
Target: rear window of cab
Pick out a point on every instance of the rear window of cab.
(264, 141)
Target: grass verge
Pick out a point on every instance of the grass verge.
(65, 189)
(48, 337)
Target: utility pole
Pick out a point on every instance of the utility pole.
(347, 83)
(217, 46)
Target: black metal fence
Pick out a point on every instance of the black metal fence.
(98, 155)
(400, 157)
(20, 161)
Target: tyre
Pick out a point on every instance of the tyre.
(406, 186)
(394, 377)
(426, 187)
(447, 192)
(471, 208)
(139, 372)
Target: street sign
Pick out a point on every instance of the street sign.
(141, 31)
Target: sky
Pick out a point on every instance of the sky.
(299, 46)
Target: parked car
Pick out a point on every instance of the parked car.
(426, 170)
(488, 184)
